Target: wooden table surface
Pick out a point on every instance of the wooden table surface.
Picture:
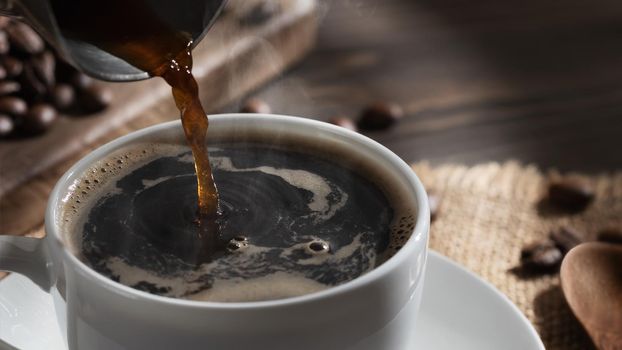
(538, 81)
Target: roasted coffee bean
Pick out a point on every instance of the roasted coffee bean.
(63, 96)
(571, 193)
(13, 105)
(260, 13)
(344, 122)
(95, 98)
(33, 76)
(13, 66)
(546, 258)
(81, 81)
(566, 238)
(64, 71)
(4, 43)
(541, 257)
(610, 235)
(6, 125)
(39, 119)
(255, 105)
(527, 250)
(24, 38)
(44, 65)
(8, 87)
(434, 202)
(379, 116)
(32, 86)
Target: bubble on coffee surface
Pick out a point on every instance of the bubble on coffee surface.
(400, 233)
(94, 182)
(237, 243)
(318, 247)
(292, 223)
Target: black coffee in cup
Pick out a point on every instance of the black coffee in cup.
(297, 218)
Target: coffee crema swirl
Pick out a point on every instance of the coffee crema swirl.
(296, 223)
(142, 37)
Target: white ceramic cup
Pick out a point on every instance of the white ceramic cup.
(375, 311)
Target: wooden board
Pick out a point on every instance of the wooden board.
(536, 81)
(229, 62)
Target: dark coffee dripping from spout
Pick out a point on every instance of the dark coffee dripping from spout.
(134, 32)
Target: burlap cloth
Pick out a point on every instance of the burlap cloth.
(488, 212)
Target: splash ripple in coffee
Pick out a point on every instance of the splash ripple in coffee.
(296, 223)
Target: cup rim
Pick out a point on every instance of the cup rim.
(418, 234)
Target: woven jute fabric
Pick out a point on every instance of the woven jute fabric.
(489, 212)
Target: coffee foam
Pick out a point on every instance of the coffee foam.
(277, 285)
(306, 180)
(101, 176)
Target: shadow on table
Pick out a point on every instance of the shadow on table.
(557, 325)
(547, 210)
(532, 274)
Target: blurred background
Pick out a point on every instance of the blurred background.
(536, 81)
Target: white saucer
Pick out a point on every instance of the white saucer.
(458, 311)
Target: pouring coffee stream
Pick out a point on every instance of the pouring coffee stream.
(140, 37)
